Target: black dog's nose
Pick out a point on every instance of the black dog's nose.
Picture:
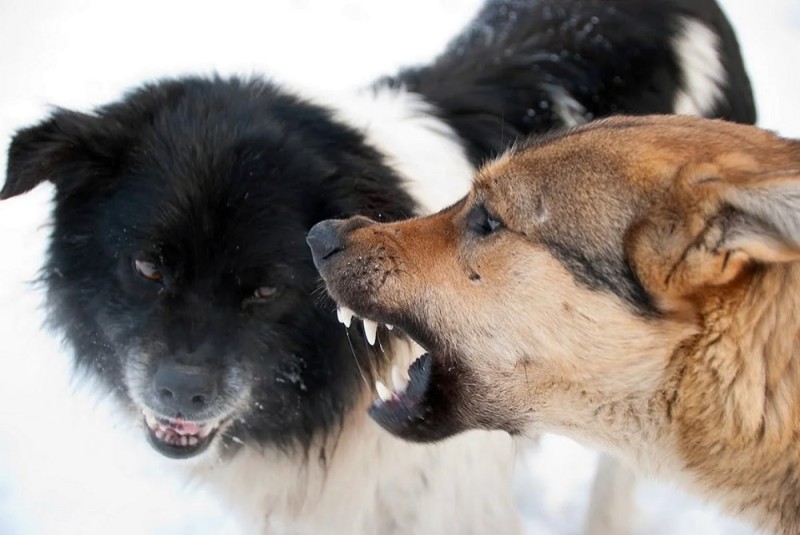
(184, 389)
(324, 239)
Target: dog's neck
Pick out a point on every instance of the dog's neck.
(614, 399)
(736, 418)
(724, 420)
(633, 426)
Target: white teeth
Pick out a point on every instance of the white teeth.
(383, 392)
(345, 315)
(389, 326)
(417, 349)
(399, 381)
(167, 434)
(371, 331)
(150, 418)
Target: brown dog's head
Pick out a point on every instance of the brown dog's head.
(574, 269)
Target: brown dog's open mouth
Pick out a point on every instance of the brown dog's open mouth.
(178, 438)
(406, 408)
(418, 406)
(405, 401)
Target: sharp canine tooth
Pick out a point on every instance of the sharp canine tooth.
(383, 392)
(398, 380)
(193, 441)
(371, 330)
(150, 418)
(345, 315)
(389, 326)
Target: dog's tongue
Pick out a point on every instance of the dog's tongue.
(183, 427)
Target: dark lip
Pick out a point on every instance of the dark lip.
(177, 451)
(405, 413)
(423, 412)
(427, 411)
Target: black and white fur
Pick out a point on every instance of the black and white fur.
(211, 184)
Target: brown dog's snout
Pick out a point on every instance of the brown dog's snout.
(324, 239)
(328, 237)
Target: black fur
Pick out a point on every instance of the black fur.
(501, 79)
(216, 182)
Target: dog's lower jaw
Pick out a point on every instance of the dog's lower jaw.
(425, 411)
(177, 438)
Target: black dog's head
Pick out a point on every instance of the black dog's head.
(178, 267)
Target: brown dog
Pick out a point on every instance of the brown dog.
(633, 283)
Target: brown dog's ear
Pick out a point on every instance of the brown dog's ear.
(711, 227)
(768, 225)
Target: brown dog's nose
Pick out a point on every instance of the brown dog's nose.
(328, 237)
(324, 240)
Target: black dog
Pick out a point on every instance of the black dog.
(178, 268)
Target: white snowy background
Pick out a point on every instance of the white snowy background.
(66, 465)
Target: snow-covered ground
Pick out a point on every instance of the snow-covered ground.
(64, 466)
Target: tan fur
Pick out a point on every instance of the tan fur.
(704, 385)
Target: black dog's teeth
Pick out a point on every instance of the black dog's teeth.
(175, 433)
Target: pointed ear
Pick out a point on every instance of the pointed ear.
(63, 149)
(712, 228)
(766, 226)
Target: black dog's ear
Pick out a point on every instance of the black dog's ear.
(64, 149)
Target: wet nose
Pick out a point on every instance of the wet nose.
(328, 237)
(184, 389)
(324, 239)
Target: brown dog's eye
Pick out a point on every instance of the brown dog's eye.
(481, 221)
(265, 292)
(148, 270)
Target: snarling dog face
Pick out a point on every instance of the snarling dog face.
(574, 269)
(177, 267)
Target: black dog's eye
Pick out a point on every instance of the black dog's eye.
(481, 221)
(148, 270)
(265, 292)
(260, 296)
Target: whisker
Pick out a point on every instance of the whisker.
(358, 364)
(320, 293)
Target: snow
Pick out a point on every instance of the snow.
(65, 464)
